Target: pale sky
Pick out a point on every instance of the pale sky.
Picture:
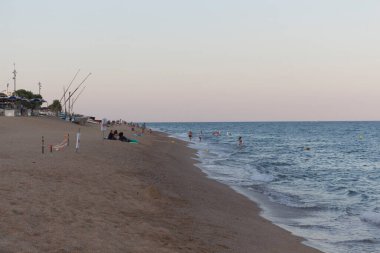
(199, 60)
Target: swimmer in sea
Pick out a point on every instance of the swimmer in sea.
(190, 134)
(240, 141)
(200, 136)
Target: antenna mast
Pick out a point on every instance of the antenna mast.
(14, 76)
(39, 88)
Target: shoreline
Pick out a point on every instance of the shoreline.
(261, 205)
(273, 212)
(119, 197)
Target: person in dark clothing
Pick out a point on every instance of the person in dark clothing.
(123, 138)
(115, 135)
(111, 136)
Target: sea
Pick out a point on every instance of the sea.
(318, 180)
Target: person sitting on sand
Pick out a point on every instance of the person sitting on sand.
(123, 138)
(111, 136)
(115, 135)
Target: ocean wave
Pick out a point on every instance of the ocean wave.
(352, 193)
(371, 217)
(262, 177)
(312, 226)
(291, 201)
(359, 241)
(325, 187)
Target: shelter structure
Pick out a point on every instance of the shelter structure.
(12, 106)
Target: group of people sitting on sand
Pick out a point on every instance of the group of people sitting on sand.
(114, 135)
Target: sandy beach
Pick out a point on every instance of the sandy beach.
(119, 197)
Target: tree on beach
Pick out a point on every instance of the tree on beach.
(55, 106)
(28, 95)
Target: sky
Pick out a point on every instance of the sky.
(199, 60)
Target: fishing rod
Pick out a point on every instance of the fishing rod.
(72, 93)
(65, 91)
(72, 104)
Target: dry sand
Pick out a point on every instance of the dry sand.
(119, 197)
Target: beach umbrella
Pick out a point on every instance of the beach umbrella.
(12, 98)
(35, 100)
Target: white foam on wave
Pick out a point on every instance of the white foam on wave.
(257, 176)
(371, 217)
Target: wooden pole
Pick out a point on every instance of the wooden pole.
(43, 145)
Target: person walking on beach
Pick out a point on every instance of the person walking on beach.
(190, 134)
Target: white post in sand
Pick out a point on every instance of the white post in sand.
(103, 126)
(78, 141)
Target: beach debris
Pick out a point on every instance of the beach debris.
(153, 192)
(62, 145)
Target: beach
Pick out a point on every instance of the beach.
(112, 196)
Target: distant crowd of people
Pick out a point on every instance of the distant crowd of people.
(133, 127)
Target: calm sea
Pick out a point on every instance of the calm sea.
(319, 180)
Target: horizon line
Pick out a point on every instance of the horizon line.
(263, 121)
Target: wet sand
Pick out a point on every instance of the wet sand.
(120, 197)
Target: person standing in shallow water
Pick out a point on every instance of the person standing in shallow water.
(240, 141)
(190, 134)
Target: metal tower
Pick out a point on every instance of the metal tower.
(14, 76)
